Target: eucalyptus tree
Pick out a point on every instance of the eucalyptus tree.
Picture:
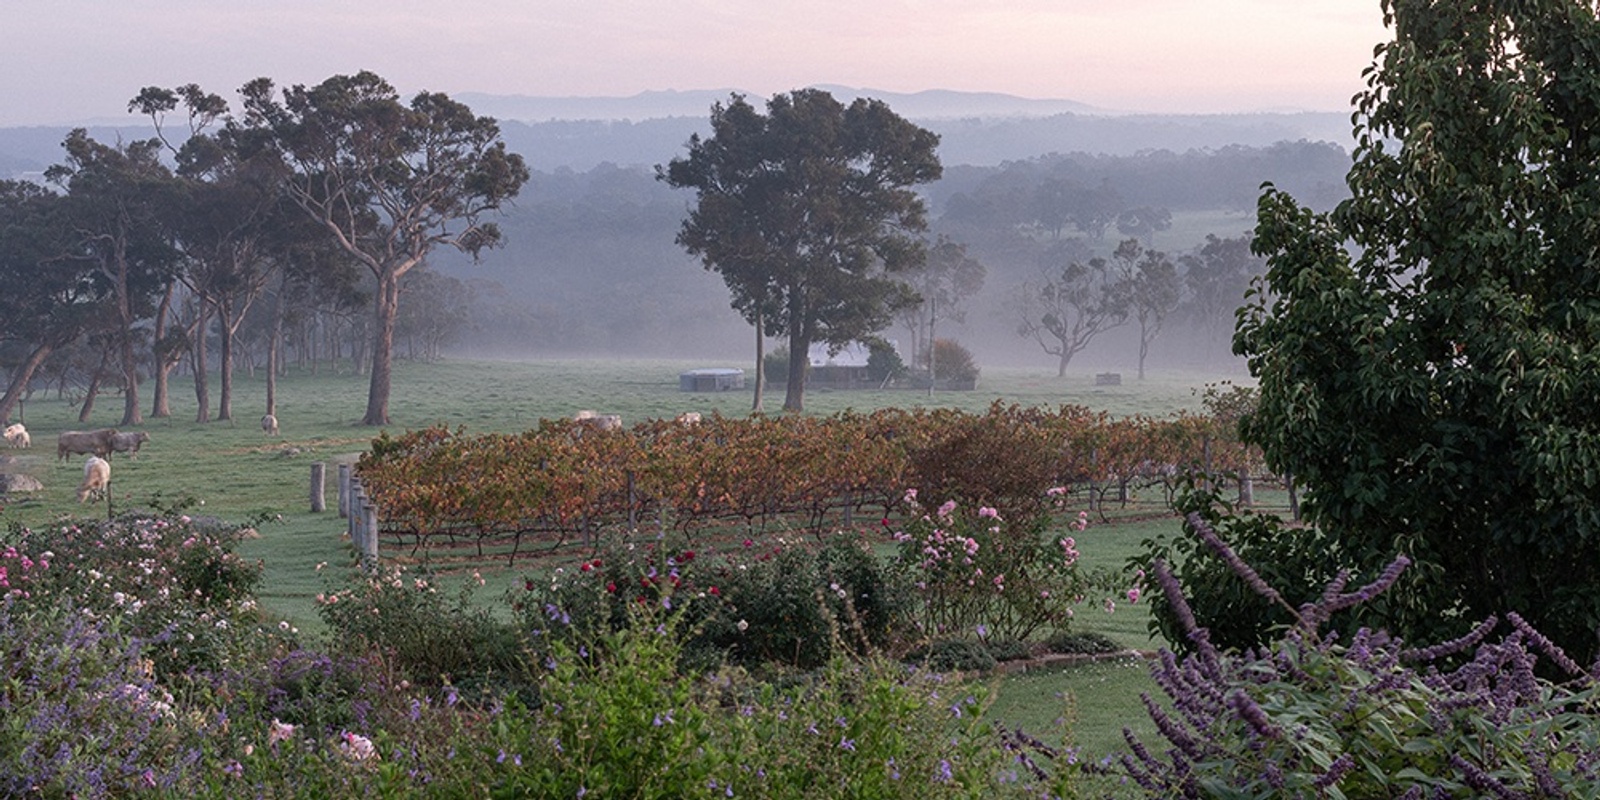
(1216, 276)
(808, 213)
(1071, 307)
(943, 283)
(115, 199)
(51, 299)
(387, 181)
(1153, 290)
(1429, 352)
(227, 217)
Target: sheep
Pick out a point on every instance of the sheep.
(96, 478)
(96, 442)
(17, 436)
(689, 418)
(129, 442)
(269, 425)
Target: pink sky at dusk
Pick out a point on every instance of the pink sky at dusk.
(65, 61)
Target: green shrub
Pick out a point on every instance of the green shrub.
(1008, 649)
(954, 655)
(1299, 561)
(428, 637)
(1088, 643)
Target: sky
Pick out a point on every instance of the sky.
(75, 61)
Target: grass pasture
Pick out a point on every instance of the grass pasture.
(233, 471)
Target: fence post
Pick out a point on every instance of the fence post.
(319, 474)
(1247, 489)
(1094, 496)
(633, 512)
(369, 535)
(344, 490)
(353, 508)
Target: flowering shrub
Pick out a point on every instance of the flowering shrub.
(428, 636)
(777, 601)
(972, 569)
(1365, 716)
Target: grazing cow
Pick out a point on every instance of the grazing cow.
(95, 442)
(129, 442)
(96, 477)
(17, 436)
(604, 422)
(269, 425)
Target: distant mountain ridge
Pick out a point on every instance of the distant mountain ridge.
(650, 128)
(929, 104)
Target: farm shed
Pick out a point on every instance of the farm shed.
(710, 380)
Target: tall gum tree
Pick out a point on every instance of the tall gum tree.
(808, 212)
(115, 196)
(1429, 353)
(387, 180)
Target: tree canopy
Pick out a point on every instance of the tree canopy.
(387, 180)
(807, 212)
(1429, 353)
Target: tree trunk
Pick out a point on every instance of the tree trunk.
(387, 302)
(761, 367)
(799, 358)
(225, 326)
(20, 378)
(160, 406)
(94, 388)
(131, 414)
(202, 388)
(1061, 362)
(274, 348)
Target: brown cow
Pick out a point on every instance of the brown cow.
(129, 442)
(96, 442)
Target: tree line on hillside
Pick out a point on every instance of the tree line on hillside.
(214, 244)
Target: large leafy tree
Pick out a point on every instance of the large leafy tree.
(1429, 353)
(808, 213)
(388, 181)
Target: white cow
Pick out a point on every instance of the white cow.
(96, 478)
(17, 436)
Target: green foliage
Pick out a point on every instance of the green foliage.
(1434, 391)
(773, 604)
(883, 363)
(426, 636)
(954, 655)
(1085, 642)
(1298, 562)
